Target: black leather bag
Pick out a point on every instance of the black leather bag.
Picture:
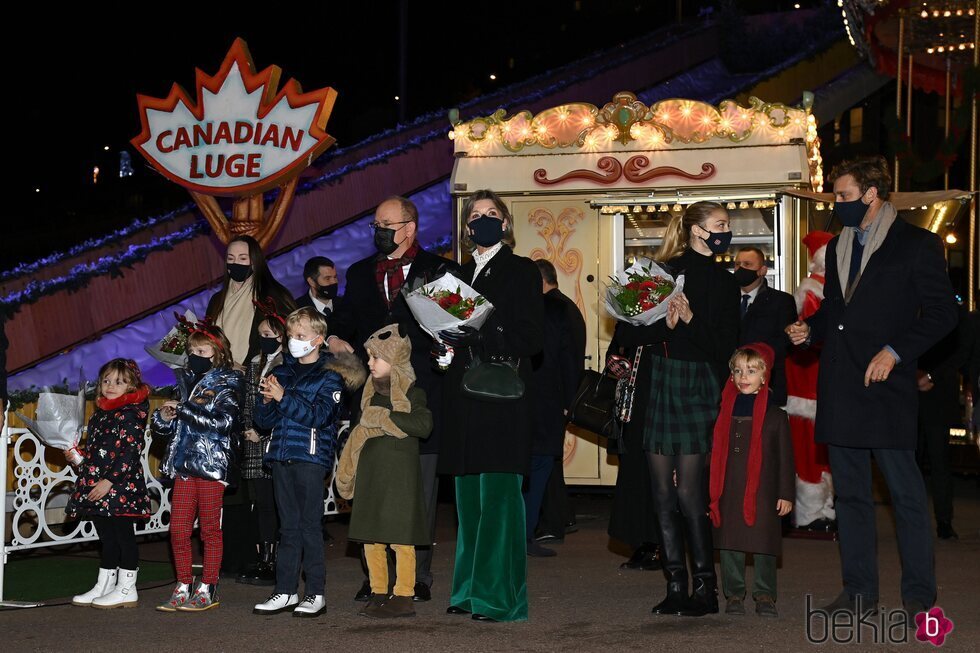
(594, 408)
(495, 380)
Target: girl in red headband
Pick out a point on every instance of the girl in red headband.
(752, 480)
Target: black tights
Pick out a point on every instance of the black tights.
(689, 494)
(118, 542)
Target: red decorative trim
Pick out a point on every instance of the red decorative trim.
(611, 167)
(635, 165)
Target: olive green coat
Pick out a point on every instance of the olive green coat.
(388, 504)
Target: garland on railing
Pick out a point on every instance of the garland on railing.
(20, 398)
(140, 224)
(80, 275)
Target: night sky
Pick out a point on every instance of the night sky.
(80, 70)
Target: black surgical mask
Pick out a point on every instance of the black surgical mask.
(239, 271)
(384, 240)
(269, 346)
(718, 241)
(487, 231)
(329, 291)
(198, 364)
(851, 214)
(745, 277)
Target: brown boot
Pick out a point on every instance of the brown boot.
(396, 606)
(373, 606)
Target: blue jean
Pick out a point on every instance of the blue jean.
(299, 498)
(851, 469)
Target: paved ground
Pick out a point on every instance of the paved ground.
(580, 601)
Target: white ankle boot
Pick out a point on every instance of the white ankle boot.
(123, 595)
(276, 603)
(104, 585)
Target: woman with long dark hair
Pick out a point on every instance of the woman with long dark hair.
(685, 358)
(247, 277)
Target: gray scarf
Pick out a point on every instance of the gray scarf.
(876, 236)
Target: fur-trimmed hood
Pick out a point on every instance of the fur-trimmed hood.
(349, 367)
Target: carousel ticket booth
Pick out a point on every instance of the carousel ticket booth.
(590, 188)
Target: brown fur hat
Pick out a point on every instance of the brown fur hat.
(391, 344)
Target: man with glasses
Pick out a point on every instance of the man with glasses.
(372, 299)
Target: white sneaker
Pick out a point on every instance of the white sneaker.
(312, 605)
(276, 603)
(123, 595)
(105, 584)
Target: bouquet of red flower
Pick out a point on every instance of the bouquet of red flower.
(171, 350)
(447, 303)
(640, 293)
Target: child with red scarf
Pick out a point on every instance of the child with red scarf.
(111, 490)
(752, 480)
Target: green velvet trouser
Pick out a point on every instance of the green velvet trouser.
(733, 574)
(490, 575)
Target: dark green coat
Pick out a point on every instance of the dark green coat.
(388, 504)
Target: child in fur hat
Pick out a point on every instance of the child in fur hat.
(382, 453)
(752, 480)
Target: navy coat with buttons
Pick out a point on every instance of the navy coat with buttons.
(903, 300)
(303, 423)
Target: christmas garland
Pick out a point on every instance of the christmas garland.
(80, 275)
(20, 398)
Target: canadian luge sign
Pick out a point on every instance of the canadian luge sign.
(242, 135)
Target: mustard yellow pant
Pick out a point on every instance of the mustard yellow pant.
(376, 556)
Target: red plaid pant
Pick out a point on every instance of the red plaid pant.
(196, 497)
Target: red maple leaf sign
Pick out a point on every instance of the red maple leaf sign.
(241, 135)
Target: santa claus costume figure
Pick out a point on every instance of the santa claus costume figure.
(814, 509)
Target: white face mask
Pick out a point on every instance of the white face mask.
(301, 348)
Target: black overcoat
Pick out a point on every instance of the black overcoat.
(481, 436)
(903, 300)
(363, 310)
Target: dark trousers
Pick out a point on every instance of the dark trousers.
(934, 426)
(851, 469)
(118, 539)
(299, 498)
(264, 509)
(556, 510)
(540, 471)
(430, 494)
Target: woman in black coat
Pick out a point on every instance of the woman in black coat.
(685, 361)
(487, 445)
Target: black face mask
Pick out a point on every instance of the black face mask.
(745, 277)
(329, 291)
(384, 240)
(269, 346)
(239, 271)
(198, 364)
(851, 214)
(718, 241)
(486, 230)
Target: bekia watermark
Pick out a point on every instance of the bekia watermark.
(868, 623)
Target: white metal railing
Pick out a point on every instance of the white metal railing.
(40, 490)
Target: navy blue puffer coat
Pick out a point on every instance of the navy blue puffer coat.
(304, 423)
(202, 434)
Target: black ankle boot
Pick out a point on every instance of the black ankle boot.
(674, 565)
(704, 599)
(263, 571)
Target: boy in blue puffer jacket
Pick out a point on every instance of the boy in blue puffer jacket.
(299, 401)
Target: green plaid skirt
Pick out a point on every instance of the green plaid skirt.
(684, 399)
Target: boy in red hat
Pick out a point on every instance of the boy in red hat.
(814, 486)
(751, 480)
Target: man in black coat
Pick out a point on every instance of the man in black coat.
(766, 312)
(372, 298)
(557, 371)
(887, 301)
(320, 274)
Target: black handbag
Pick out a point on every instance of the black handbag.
(493, 380)
(595, 408)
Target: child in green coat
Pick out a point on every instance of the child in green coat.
(382, 453)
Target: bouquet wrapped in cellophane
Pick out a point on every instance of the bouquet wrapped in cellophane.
(59, 419)
(171, 350)
(640, 294)
(447, 303)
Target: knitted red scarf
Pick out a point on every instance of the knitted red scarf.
(723, 428)
(136, 396)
